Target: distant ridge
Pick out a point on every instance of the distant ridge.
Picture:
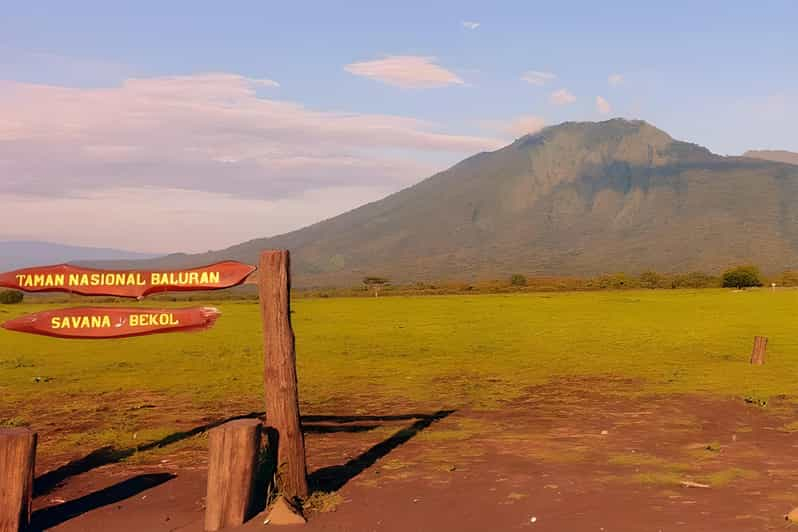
(21, 254)
(579, 198)
(780, 156)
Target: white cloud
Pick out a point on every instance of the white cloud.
(209, 136)
(615, 79)
(164, 220)
(562, 97)
(406, 71)
(603, 106)
(470, 25)
(534, 77)
(518, 126)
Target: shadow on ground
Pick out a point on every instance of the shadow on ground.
(326, 479)
(51, 516)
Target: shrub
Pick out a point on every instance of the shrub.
(695, 280)
(616, 281)
(788, 278)
(11, 297)
(517, 280)
(741, 277)
(651, 279)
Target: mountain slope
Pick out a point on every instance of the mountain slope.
(780, 156)
(573, 199)
(21, 254)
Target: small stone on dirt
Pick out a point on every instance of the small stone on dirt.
(283, 513)
(792, 516)
(604, 432)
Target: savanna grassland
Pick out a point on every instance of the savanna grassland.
(374, 354)
(586, 408)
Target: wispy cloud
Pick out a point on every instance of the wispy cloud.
(523, 125)
(562, 97)
(470, 25)
(615, 79)
(603, 106)
(155, 155)
(406, 71)
(534, 77)
(208, 132)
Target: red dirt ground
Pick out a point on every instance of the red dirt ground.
(565, 459)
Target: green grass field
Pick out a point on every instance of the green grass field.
(358, 355)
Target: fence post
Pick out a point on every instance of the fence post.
(279, 374)
(17, 462)
(758, 353)
(233, 450)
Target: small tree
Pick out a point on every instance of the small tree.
(11, 297)
(650, 279)
(375, 283)
(517, 280)
(741, 277)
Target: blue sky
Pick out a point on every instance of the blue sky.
(254, 111)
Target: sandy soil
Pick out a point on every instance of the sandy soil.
(572, 456)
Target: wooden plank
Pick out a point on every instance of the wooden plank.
(279, 376)
(125, 283)
(113, 322)
(233, 450)
(17, 462)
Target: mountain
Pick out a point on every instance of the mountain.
(779, 156)
(574, 199)
(21, 254)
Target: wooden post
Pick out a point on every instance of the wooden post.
(17, 461)
(758, 354)
(279, 374)
(233, 450)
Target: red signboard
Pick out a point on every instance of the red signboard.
(125, 283)
(111, 322)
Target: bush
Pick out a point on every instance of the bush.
(695, 280)
(788, 278)
(741, 277)
(11, 297)
(517, 280)
(651, 279)
(615, 281)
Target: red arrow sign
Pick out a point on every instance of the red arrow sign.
(125, 283)
(98, 322)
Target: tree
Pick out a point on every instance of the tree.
(517, 280)
(741, 277)
(375, 283)
(11, 297)
(650, 279)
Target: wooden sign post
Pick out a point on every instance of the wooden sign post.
(279, 375)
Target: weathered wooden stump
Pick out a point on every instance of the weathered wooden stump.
(17, 461)
(233, 450)
(280, 379)
(758, 353)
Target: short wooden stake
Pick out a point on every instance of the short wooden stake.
(17, 462)
(233, 450)
(279, 374)
(758, 354)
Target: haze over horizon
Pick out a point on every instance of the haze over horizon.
(188, 127)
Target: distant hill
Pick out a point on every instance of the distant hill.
(21, 254)
(779, 156)
(574, 199)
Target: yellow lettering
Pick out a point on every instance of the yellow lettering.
(20, 278)
(55, 322)
(215, 276)
(95, 279)
(59, 279)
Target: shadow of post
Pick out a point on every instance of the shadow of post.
(333, 478)
(51, 516)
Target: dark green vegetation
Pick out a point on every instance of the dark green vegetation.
(371, 355)
(742, 277)
(11, 297)
(577, 199)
